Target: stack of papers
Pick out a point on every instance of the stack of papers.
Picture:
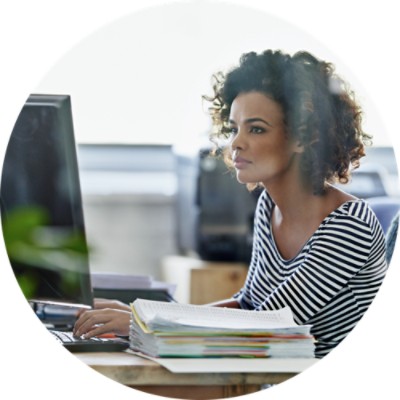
(160, 329)
(120, 281)
(107, 280)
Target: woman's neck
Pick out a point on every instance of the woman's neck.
(298, 213)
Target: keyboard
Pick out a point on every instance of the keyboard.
(76, 344)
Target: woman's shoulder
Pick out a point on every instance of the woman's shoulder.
(356, 215)
(357, 209)
(347, 205)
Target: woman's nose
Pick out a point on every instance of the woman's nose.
(237, 141)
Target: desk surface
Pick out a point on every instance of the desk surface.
(141, 373)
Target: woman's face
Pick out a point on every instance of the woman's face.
(261, 148)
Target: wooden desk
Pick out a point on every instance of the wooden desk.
(148, 376)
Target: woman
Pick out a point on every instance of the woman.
(292, 127)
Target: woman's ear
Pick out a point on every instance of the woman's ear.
(298, 147)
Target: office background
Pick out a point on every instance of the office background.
(135, 105)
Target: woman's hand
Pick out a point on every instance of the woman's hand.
(106, 320)
(107, 303)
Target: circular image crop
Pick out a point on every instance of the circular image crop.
(203, 192)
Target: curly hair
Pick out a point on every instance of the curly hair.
(320, 111)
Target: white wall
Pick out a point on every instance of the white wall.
(130, 233)
(141, 78)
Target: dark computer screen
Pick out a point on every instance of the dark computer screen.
(41, 206)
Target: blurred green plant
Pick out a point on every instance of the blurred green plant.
(31, 240)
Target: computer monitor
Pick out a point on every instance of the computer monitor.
(41, 206)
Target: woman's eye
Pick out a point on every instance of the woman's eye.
(232, 131)
(257, 129)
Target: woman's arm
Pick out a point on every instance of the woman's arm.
(343, 249)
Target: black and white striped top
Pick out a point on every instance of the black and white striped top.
(330, 283)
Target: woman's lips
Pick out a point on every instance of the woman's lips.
(240, 163)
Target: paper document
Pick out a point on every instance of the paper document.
(120, 281)
(107, 280)
(161, 329)
(225, 365)
(153, 313)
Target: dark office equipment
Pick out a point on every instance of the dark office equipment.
(42, 214)
(127, 296)
(367, 182)
(41, 205)
(215, 213)
(75, 345)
